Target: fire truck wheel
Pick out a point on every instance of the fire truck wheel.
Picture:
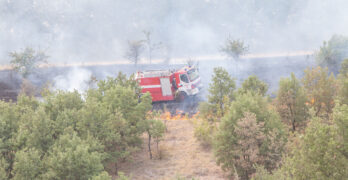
(181, 97)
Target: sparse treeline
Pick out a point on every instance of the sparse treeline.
(301, 134)
(72, 136)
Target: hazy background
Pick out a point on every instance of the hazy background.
(98, 30)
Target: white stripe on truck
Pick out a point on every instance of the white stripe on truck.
(151, 86)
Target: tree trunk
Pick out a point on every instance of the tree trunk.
(292, 119)
(149, 145)
(236, 176)
(116, 169)
(316, 114)
(157, 146)
(222, 106)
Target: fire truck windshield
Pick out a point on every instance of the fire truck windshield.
(193, 74)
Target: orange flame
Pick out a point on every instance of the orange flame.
(179, 115)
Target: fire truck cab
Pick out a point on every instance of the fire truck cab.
(166, 85)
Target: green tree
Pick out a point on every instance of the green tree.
(318, 155)
(28, 165)
(343, 83)
(291, 102)
(221, 91)
(155, 129)
(125, 101)
(36, 131)
(332, 52)
(120, 80)
(27, 103)
(234, 48)
(344, 68)
(115, 114)
(27, 61)
(3, 169)
(73, 158)
(9, 125)
(340, 117)
(65, 136)
(226, 137)
(59, 101)
(320, 89)
(255, 85)
(343, 90)
(110, 128)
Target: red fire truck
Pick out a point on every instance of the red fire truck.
(166, 85)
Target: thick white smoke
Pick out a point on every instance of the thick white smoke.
(75, 79)
(81, 30)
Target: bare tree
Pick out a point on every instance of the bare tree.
(150, 45)
(135, 48)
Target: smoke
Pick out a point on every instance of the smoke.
(81, 30)
(75, 79)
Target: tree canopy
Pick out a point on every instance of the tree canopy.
(332, 52)
(291, 102)
(72, 136)
(221, 90)
(27, 61)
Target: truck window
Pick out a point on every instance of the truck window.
(184, 78)
(193, 74)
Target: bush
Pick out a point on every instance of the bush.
(204, 131)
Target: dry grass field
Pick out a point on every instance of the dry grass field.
(182, 157)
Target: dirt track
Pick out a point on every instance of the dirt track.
(183, 157)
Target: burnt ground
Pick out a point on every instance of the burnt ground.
(269, 70)
(9, 85)
(7, 93)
